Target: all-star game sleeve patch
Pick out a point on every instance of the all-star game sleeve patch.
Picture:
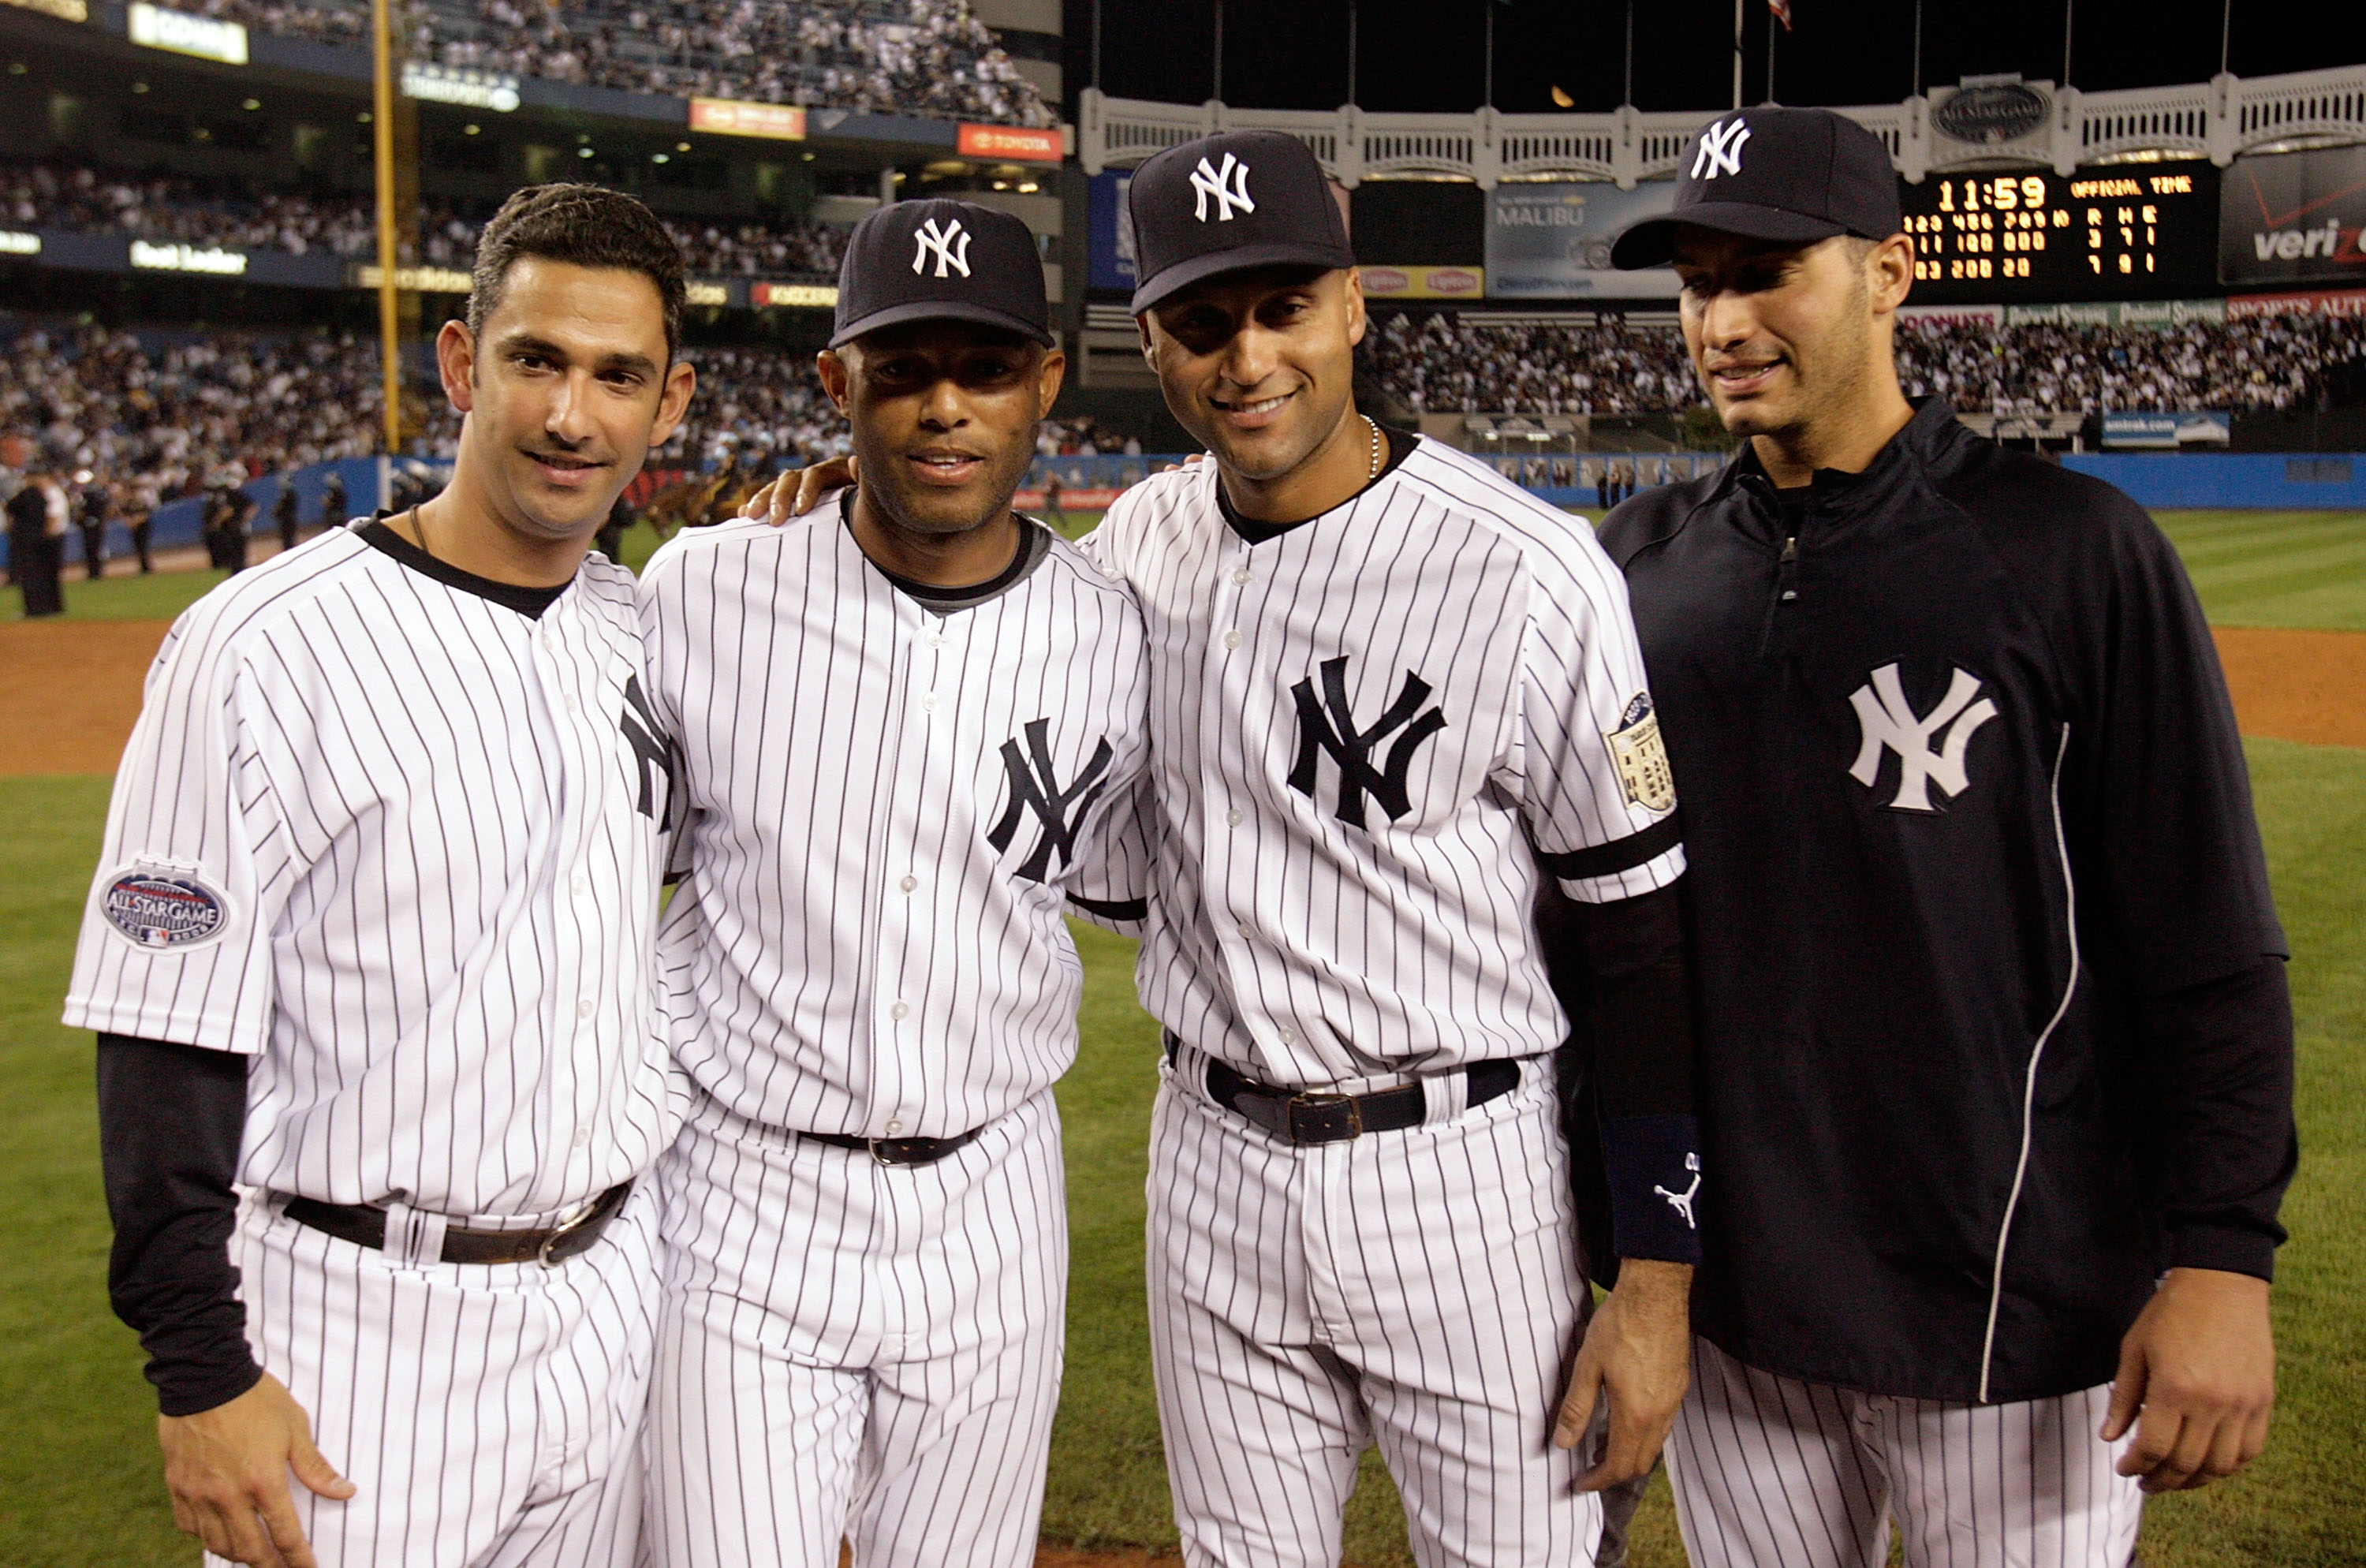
(164, 907)
(1641, 757)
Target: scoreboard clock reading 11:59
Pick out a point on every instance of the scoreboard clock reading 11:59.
(2121, 231)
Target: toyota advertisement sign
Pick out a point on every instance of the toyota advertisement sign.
(2293, 218)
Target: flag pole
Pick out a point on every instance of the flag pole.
(1737, 53)
(388, 302)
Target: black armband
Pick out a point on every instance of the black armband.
(170, 1122)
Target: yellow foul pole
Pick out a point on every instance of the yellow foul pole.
(388, 253)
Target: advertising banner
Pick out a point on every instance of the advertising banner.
(1108, 238)
(1953, 315)
(2191, 427)
(467, 89)
(156, 28)
(2293, 218)
(1552, 242)
(1423, 282)
(730, 117)
(1015, 142)
(2155, 313)
(2322, 302)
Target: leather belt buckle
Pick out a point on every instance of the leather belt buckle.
(1323, 1118)
(592, 1216)
(560, 1232)
(894, 1151)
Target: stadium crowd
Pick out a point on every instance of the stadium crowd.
(1440, 362)
(2265, 362)
(171, 415)
(909, 57)
(1443, 362)
(167, 207)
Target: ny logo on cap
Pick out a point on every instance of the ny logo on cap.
(942, 242)
(1229, 184)
(1721, 150)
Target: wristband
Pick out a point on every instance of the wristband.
(1655, 1170)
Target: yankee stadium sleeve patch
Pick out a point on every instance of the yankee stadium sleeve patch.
(162, 906)
(1641, 757)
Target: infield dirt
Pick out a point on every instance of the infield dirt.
(69, 691)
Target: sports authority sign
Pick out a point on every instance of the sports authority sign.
(731, 116)
(2293, 218)
(2344, 302)
(1017, 142)
(1422, 282)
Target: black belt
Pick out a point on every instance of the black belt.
(364, 1225)
(900, 1151)
(1299, 1116)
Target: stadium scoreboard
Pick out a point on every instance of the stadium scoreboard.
(2128, 230)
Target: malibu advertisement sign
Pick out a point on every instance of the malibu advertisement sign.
(2293, 218)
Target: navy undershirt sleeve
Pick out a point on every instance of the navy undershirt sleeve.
(170, 1121)
(1622, 972)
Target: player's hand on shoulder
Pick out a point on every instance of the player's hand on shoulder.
(2197, 1380)
(1638, 1354)
(799, 491)
(227, 1470)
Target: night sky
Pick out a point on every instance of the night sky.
(1431, 56)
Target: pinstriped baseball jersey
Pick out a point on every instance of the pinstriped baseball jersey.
(888, 806)
(1364, 732)
(400, 843)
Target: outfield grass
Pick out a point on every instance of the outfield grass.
(2276, 568)
(78, 1483)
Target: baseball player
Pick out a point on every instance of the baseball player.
(1392, 700)
(1997, 1050)
(368, 957)
(904, 720)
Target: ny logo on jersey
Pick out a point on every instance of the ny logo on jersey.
(652, 756)
(932, 239)
(1328, 725)
(1721, 150)
(1227, 185)
(1036, 788)
(1888, 723)
(1682, 1202)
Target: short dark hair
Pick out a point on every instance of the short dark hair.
(583, 226)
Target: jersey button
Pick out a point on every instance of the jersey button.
(582, 1137)
(1241, 576)
(1232, 640)
(894, 1128)
(929, 703)
(932, 639)
(1233, 818)
(579, 885)
(899, 1012)
(1289, 1035)
(571, 703)
(907, 882)
(583, 1008)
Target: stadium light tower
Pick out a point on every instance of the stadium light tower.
(390, 304)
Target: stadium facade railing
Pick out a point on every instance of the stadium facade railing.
(2220, 119)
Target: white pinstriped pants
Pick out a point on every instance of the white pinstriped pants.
(1773, 1472)
(488, 1415)
(1417, 1289)
(849, 1349)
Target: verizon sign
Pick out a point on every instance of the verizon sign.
(2293, 218)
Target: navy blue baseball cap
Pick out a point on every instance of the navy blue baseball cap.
(1785, 175)
(1227, 203)
(939, 260)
